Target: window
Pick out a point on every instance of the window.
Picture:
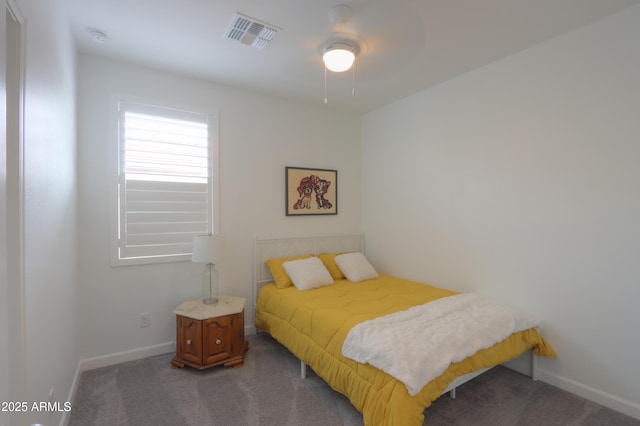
(165, 187)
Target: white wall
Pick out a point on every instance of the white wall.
(520, 180)
(12, 386)
(4, 282)
(43, 340)
(258, 137)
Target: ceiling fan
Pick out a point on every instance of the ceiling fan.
(378, 35)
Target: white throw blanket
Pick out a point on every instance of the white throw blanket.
(417, 345)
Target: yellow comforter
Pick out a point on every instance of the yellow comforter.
(313, 325)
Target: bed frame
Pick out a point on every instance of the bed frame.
(267, 248)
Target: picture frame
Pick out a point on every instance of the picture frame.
(311, 191)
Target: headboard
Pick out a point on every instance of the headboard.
(268, 248)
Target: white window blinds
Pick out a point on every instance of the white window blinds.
(165, 182)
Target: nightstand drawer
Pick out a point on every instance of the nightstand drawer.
(189, 339)
(216, 341)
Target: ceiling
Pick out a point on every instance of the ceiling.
(405, 45)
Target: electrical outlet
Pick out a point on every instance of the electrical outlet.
(145, 320)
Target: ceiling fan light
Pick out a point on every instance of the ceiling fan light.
(338, 58)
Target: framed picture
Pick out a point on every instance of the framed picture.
(311, 191)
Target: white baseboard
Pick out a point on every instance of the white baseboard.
(112, 359)
(119, 357)
(124, 356)
(523, 365)
(72, 394)
(592, 394)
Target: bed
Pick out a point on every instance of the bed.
(317, 324)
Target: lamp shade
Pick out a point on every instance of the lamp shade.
(207, 249)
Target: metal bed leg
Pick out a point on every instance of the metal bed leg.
(535, 374)
(452, 393)
(303, 370)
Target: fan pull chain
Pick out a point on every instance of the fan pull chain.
(353, 79)
(353, 82)
(325, 85)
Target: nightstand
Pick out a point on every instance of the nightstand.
(210, 335)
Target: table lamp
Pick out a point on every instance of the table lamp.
(209, 249)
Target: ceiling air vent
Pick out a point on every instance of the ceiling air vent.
(250, 31)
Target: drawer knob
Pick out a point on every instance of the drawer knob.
(218, 341)
(189, 342)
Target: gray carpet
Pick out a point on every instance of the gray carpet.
(268, 390)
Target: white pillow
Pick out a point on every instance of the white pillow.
(308, 273)
(355, 267)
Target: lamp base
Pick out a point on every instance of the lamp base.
(210, 300)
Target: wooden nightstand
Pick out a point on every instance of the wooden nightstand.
(209, 335)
